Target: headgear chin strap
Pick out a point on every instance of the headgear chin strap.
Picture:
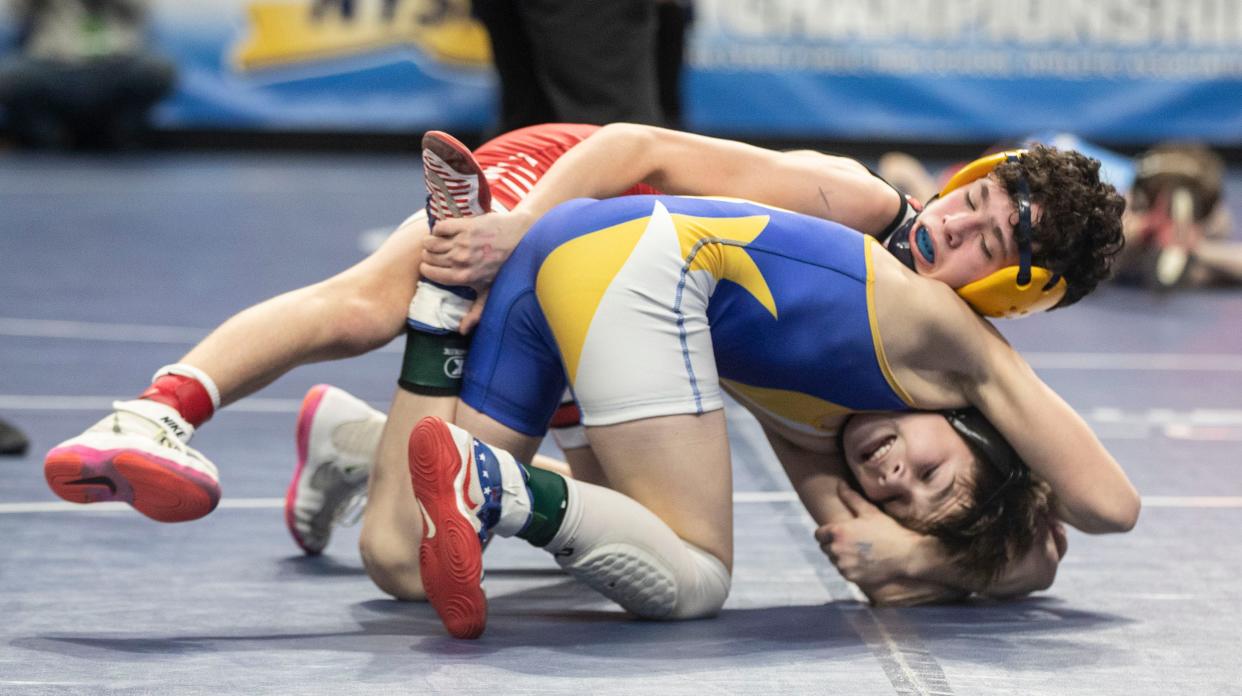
(1013, 291)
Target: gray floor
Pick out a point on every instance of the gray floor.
(111, 268)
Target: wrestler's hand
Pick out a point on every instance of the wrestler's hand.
(1037, 569)
(471, 319)
(909, 593)
(470, 251)
(871, 549)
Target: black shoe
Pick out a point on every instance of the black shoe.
(12, 440)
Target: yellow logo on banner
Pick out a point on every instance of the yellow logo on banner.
(291, 32)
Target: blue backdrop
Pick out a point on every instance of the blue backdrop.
(1119, 70)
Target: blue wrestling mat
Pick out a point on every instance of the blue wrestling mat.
(111, 268)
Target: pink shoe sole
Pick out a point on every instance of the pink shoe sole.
(451, 559)
(306, 416)
(156, 487)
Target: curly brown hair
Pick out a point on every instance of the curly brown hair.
(1079, 232)
(982, 541)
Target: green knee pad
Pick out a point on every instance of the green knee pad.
(433, 363)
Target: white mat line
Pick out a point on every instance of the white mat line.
(20, 402)
(741, 497)
(149, 333)
(103, 331)
(1101, 415)
(96, 331)
(1142, 362)
(61, 506)
(1152, 501)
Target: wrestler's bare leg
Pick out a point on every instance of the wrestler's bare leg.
(648, 461)
(351, 313)
(669, 521)
(139, 453)
(580, 463)
(679, 468)
(391, 523)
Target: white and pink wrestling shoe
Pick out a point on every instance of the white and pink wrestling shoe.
(140, 455)
(337, 436)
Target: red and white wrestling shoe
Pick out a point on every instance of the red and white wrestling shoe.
(140, 455)
(455, 183)
(467, 491)
(337, 438)
(446, 484)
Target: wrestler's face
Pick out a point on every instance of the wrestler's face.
(967, 234)
(913, 465)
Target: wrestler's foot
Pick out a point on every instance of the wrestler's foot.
(337, 438)
(139, 455)
(456, 188)
(455, 183)
(466, 491)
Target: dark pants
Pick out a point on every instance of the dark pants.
(574, 61)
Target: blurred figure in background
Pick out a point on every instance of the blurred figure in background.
(12, 441)
(586, 62)
(1176, 224)
(82, 76)
(673, 18)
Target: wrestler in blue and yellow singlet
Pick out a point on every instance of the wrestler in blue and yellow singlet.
(649, 303)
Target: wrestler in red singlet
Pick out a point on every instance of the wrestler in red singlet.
(514, 161)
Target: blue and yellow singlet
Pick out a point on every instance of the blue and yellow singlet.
(647, 304)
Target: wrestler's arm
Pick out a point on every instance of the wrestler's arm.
(1032, 572)
(618, 156)
(816, 477)
(903, 567)
(1090, 489)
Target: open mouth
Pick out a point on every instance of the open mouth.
(877, 450)
(923, 240)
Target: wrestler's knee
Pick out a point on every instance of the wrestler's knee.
(359, 317)
(392, 565)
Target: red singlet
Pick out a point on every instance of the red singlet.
(514, 161)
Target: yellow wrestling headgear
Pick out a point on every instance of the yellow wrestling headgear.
(1013, 291)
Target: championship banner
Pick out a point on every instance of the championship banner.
(1118, 70)
(352, 65)
(942, 70)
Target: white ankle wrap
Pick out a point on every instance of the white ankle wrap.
(623, 551)
(437, 308)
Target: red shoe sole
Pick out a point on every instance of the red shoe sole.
(451, 561)
(459, 157)
(150, 486)
(306, 414)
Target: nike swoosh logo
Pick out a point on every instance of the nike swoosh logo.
(95, 481)
(429, 527)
